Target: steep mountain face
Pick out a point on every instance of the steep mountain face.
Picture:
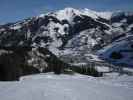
(71, 34)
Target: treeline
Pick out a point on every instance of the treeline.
(87, 70)
(14, 65)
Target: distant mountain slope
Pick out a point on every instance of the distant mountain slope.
(119, 52)
(72, 33)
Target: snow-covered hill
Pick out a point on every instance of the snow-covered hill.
(53, 41)
(72, 34)
(66, 87)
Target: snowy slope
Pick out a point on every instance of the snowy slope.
(122, 46)
(65, 87)
(69, 14)
(70, 32)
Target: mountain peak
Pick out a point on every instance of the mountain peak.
(70, 31)
(67, 13)
(69, 9)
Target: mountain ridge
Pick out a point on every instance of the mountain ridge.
(69, 32)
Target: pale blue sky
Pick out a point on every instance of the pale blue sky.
(13, 10)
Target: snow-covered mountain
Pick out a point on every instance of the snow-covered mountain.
(74, 35)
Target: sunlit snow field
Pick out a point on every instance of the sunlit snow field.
(66, 87)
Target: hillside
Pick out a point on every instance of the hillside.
(69, 33)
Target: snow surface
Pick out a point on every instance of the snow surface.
(67, 87)
(15, 27)
(95, 14)
(69, 13)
